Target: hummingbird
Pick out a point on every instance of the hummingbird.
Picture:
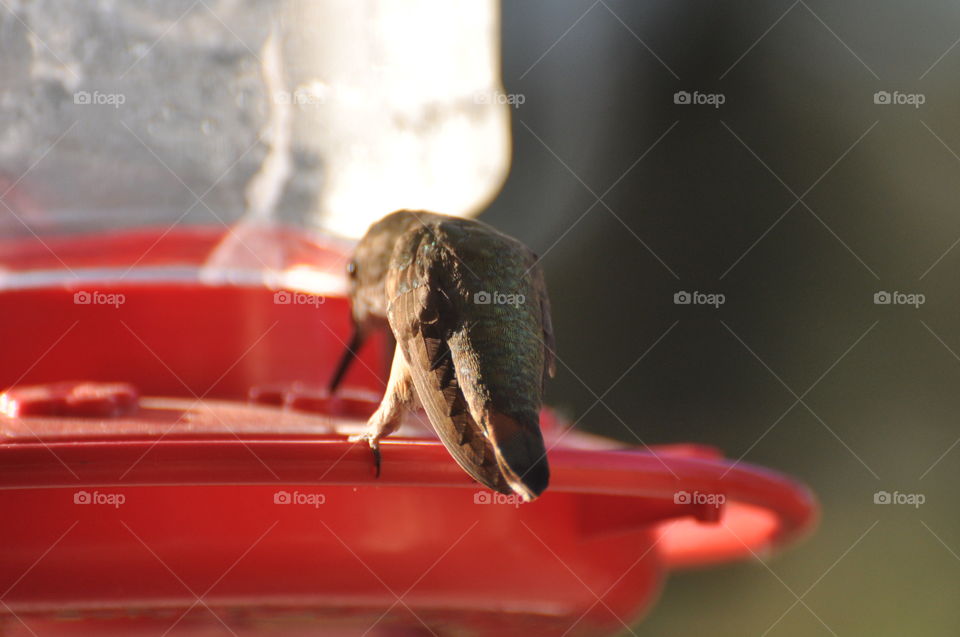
(467, 306)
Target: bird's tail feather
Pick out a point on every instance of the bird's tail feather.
(521, 455)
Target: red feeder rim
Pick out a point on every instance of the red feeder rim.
(161, 479)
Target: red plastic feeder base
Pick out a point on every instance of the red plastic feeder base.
(193, 479)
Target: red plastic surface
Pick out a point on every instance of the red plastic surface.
(231, 482)
(93, 400)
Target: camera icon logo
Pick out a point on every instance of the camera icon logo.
(282, 297)
(82, 298)
(882, 497)
(482, 497)
(81, 97)
(81, 497)
(681, 97)
(282, 97)
(482, 298)
(882, 97)
(882, 298)
(682, 298)
(682, 497)
(282, 497)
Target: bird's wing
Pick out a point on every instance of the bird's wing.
(420, 316)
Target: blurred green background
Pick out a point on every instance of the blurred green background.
(705, 198)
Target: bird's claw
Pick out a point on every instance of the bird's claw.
(374, 441)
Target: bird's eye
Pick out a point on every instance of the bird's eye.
(352, 269)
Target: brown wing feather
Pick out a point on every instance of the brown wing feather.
(420, 321)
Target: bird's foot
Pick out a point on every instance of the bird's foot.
(373, 439)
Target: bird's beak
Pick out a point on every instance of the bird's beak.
(357, 339)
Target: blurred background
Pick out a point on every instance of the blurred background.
(786, 166)
(699, 197)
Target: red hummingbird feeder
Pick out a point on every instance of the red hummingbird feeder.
(170, 464)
